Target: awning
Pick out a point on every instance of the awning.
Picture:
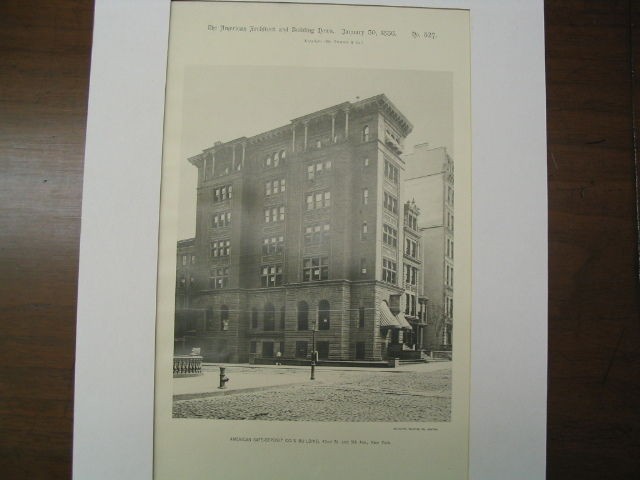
(387, 319)
(403, 321)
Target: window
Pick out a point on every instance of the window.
(390, 235)
(390, 171)
(411, 248)
(222, 193)
(450, 195)
(283, 314)
(361, 317)
(269, 317)
(274, 159)
(224, 317)
(317, 233)
(363, 265)
(318, 143)
(411, 221)
(254, 318)
(324, 315)
(448, 281)
(360, 355)
(315, 269)
(220, 248)
(317, 200)
(365, 196)
(219, 220)
(366, 162)
(253, 347)
(390, 203)
(365, 230)
(184, 260)
(273, 214)
(365, 133)
(219, 277)
(389, 271)
(272, 245)
(318, 169)
(193, 259)
(273, 187)
(271, 275)
(303, 316)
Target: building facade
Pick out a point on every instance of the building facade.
(430, 177)
(300, 240)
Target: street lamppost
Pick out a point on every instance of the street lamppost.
(314, 326)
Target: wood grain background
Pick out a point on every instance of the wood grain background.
(594, 327)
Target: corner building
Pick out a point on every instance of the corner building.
(303, 226)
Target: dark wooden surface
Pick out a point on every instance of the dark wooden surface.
(594, 331)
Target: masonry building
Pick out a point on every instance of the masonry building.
(430, 177)
(303, 237)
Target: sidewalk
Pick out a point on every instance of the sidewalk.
(244, 378)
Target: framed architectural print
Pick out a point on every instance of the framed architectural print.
(314, 260)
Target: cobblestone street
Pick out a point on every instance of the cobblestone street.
(416, 394)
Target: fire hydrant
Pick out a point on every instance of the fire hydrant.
(223, 378)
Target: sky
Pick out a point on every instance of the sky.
(225, 103)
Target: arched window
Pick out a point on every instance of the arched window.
(324, 315)
(365, 133)
(303, 315)
(269, 317)
(254, 318)
(224, 317)
(283, 313)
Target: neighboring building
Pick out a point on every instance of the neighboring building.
(429, 179)
(303, 225)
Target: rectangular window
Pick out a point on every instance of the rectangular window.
(274, 214)
(365, 196)
(184, 260)
(221, 248)
(253, 347)
(318, 169)
(390, 203)
(220, 220)
(219, 277)
(361, 317)
(363, 265)
(271, 275)
(389, 271)
(390, 236)
(272, 245)
(317, 233)
(273, 187)
(318, 200)
(390, 171)
(315, 269)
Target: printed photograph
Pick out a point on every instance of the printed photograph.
(315, 258)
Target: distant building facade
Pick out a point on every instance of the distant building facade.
(430, 176)
(300, 229)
